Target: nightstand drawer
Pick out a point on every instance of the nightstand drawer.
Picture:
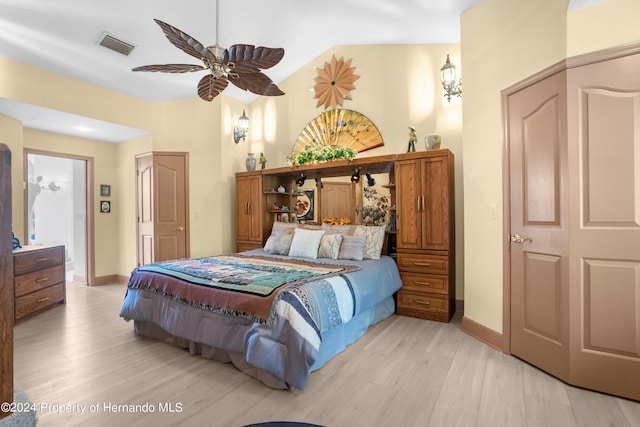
(37, 280)
(38, 300)
(423, 263)
(36, 259)
(422, 302)
(424, 283)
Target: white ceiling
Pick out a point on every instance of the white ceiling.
(62, 35)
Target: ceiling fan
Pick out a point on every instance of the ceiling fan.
(240, 64)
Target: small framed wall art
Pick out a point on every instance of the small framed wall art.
(105, 206)
(105, 190)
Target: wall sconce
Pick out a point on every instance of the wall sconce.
(355, 177)
(300, 181)
(448, 78)
(370, 180)
(240, 131)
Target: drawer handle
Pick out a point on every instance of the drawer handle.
(417, 282)
(42, 279)
(421, 302)
(42, 300)
(422, 264)
(41, 259)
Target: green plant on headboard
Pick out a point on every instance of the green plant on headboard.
(325, 153)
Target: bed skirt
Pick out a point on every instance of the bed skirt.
(334, 341)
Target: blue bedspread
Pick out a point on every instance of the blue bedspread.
(288, 348)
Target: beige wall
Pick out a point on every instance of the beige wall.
(613, 23)
(503, 42)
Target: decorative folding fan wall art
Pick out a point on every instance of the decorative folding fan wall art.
(333, 135)
(335, 82)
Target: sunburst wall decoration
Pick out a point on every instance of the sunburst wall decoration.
(337, 128)
(335, 82)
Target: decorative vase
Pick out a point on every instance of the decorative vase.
(432, 141)
(251, 162)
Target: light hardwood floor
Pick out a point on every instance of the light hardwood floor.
(403, 372)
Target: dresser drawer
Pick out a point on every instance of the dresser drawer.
(424, 283)
(37, 280)
(422, 302)
(423, 263)
(36, 301)
(32, 260)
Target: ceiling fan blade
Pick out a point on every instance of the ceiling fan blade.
(170, 68)
(209, 87)
(257, 83)
(184, 41)
(249, 58)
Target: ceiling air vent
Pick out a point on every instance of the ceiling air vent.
(113, 43)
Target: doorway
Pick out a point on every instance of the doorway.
(57, 208)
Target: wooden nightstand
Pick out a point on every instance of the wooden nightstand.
(39, 279)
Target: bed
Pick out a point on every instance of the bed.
(276, 313)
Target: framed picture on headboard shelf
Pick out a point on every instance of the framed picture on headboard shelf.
(304, 205)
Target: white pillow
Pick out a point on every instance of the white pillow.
(330, 246)
(374, 235)
(352, 247)
(278, 243)
(305, 243)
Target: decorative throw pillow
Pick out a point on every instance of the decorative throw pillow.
(352, 247)
(330, 246)
(279, 243)
(305, 243)
(374, 235)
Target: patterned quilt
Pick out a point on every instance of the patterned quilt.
(240, 286)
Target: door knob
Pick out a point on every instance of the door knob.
(516, 238)
(178, 229)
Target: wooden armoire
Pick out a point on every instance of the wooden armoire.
(425, 240)
(162, 187)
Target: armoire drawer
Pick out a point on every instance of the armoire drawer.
(423, 263)
(423, 302)
(424, 283)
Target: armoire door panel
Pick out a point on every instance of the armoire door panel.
(408, 195)
(611, 316)
(255, 208)
(611, 151)
(435, 204)
(540, 159)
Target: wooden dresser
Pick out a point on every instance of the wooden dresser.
(39, 279)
